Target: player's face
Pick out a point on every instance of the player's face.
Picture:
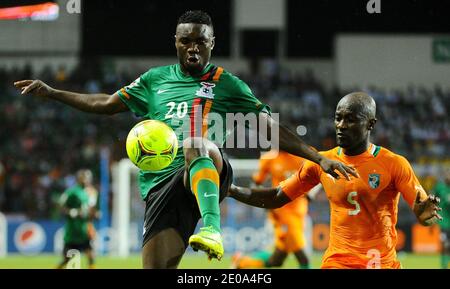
(84, 177)
(81, 177)
(194, 43)
(352, 127)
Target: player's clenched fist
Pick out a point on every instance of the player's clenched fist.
(35, 87)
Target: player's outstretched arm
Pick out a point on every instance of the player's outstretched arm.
(94, 103)
(269, 198)
(426, 211)
(293, 144)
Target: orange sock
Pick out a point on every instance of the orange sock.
(249, 262)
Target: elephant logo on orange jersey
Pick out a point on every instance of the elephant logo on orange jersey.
(374, 180)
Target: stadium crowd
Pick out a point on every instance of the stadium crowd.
(43, 144)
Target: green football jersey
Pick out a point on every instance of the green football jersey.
(190, 105)
(442, 190)
(76, 228)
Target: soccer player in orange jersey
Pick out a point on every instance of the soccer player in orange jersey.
(288, 221)
(364, 209)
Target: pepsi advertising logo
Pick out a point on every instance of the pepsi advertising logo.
(30, 238)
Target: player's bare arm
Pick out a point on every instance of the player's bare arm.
(427, 210)
(293, 144)
(93, 103)
(268, 198)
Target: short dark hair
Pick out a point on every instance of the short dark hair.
(195, 16)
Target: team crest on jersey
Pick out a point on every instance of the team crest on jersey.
(206, 90)
(374, 180)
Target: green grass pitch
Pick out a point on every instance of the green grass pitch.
(189, 261)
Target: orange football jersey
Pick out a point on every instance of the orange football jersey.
(363, 210)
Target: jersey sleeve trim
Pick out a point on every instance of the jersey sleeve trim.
(124, 93)
(263, 108)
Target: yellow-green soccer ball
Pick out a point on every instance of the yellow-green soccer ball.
(152, 145)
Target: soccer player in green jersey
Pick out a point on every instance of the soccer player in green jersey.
(75, 207)
(199, 178)
(442, 190)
